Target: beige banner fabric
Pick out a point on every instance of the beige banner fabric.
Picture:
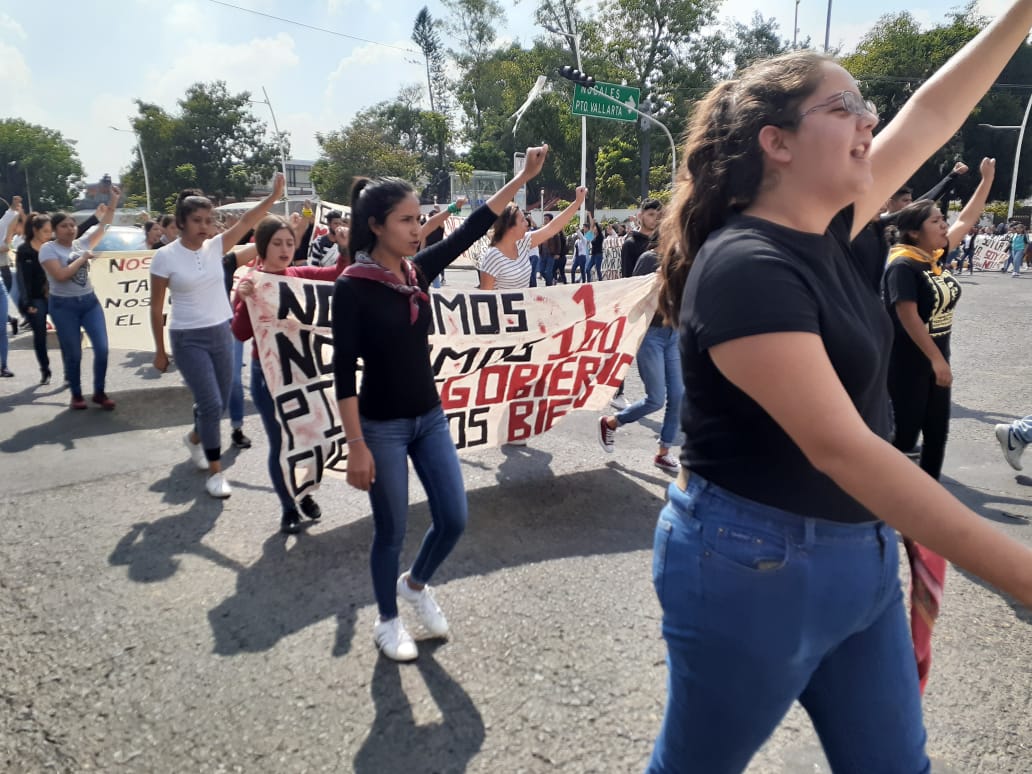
(122, 284)
(509, 364)
(991, 253)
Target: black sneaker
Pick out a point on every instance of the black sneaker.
(240, 440)
(290, 522)
(310, 508)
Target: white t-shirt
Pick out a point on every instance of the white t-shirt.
(196, 283)
(79, 283)
(509, 273)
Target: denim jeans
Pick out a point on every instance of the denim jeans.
(546, 265)
(205, 358)
(762, 607)
(236, 392)
(4, 308)
(71, 315)
(1023, 429)
(38, 323)
(579, 262)
(659, 365)
(267, 411)
(595, 263)
(534, 259)
(427, 440)
(560, 269)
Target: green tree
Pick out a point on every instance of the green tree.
(46, 157)
(214, 143)
(425, 35)
(473, 23)
(760, 39)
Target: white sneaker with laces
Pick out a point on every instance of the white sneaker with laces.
(1010, 445)
(196, 453)
(619, 402)
(425, 605)
(394, 641)
(217, 486)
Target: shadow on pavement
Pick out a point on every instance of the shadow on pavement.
(150, 549)
(978, 500)
(397, 743)
(986, 417)
(326, 575)
(143, 409)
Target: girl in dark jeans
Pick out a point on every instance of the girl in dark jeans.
(32, 287)
(776, 558)
(381, 314)
(275, 242)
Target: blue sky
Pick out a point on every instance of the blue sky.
(79, 71)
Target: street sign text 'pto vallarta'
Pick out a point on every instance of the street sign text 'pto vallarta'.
(587, 103)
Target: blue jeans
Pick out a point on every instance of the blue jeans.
(534, 259)
(595, 263)
(38, 323)
(4, 308)
(560, 269)
(236, 392)
(267, 411)
(659, 365)
(427, 440)
(546, 264)
(205, 359)
(1023, 429)
(762, 607)
(70, 316)
(579, 262)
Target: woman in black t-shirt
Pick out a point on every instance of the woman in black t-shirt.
(777, 577)
(381, 314)
(920, 296)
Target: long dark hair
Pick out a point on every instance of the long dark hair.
(723, 166)
(33, 223)
(373, 200)
(263, 234)
(911, 218)
(188, 202)
(510, 214)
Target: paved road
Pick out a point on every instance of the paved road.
(147, 628)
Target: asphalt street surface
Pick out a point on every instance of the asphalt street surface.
(145, 627)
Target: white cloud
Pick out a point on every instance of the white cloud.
(9, 27)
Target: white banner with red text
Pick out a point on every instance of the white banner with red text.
(508, 364)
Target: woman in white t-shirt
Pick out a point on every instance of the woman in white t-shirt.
(190, 269)
(74, 307)
(506, 263)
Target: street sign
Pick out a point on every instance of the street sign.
(587, 103)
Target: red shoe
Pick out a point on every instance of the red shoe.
(78, 403)
(102, 400)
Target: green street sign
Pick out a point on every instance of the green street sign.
(587, 103)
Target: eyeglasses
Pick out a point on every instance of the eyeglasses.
(849, 101)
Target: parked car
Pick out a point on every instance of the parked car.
(120, 238)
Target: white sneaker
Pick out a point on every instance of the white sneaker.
(619, 402)
(1010, 445)
(425, 605)
(394, 641)
(196, 453)
(217, 486)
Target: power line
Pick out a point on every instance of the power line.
(317, 29)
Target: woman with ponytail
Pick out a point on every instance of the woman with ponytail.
(776, 556)
(190, 271)
(381, 314)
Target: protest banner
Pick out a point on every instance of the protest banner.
(122, 284)
(508, 364)
(991, 253)
(612, 268)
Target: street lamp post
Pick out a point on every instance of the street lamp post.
(25, 169)
(1017, 155)
(575, 39)
(827, 29)
(283, 155)
(143, 163)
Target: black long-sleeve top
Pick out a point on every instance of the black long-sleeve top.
(372, 321)
(32, 277)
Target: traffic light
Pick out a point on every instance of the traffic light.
(575, 75)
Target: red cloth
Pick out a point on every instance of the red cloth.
(927, 578)
(366, 268)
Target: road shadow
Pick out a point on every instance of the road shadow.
(397, 743)
(29, 395)
(151, 549)
(143, 409)
(326, 574)
(979, 501)
(958, 411)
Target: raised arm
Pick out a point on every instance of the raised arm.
(250, 219)
(535, 161)
(107, 214)
(559, 222)
(972, 212)
(790, 376)
(939, 107)
(438, 220)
